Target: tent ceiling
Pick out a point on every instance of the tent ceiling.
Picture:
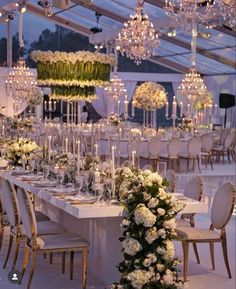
(215, 55)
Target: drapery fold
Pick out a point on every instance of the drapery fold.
(105, 104)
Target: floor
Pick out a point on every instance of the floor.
(200, 275)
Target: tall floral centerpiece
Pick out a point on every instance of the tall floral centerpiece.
(73, 75)
(147, 231)
(149, 96)
(203, 107)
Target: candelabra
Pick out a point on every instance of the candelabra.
(174, 116)
(49, 107)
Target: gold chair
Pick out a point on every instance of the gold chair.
(10, 200)
(65, 242)
(222, 208)
(222, 150)
(171, 178)
(193, 152)
(207, 141)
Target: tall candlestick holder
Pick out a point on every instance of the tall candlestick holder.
(50, 107)
(174, 115)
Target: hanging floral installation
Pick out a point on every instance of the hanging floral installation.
(73, 93)
(203, 101)
(148, 231)
(72, 72)
(150, 96)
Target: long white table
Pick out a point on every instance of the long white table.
(98, 223)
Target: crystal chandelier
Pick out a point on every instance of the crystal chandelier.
(185, 13)
(228, 10)
(192, 87)
(21, 84)
(138, 40)
(116, 88)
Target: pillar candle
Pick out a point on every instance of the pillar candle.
(66, 145)
(167, 109)
(78, 156)
(181, 108)
(113, 161)
(96, 150)
(132, 112)
(174, 107)
(49, 146)
(133, 157)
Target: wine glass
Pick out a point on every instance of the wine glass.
(32, 163)
(61, 175)
(99, 190)
(46, 171)
(23, 162)
(79, 181)
(3, 153)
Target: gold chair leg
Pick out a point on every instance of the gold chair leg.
(33, 261)
(84, 267)
(196, 252)
(51, 258)
(25, 261)
(1, 235)
(225, 254)
(185, 245)
(63, 264)
(8, 250)
(17, 246)
(212, 255)
(71, 264)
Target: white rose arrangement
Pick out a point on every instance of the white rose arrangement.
(148, 231)
(21, 147)
(150, 96)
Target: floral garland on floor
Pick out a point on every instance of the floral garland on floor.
(148, 231)
(150, 96)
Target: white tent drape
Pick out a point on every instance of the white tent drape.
(105, 105)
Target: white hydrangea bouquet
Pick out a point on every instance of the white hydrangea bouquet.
(147, 232)
(150, 96)
(21, 147)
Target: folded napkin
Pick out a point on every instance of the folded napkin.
(81, 199)
(18, 172)
(45, 183)
(31, 177)
(62, 191)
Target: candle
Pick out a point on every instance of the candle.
(78, 156)
(113, 161)
(3, 131)
(167, 109)
(174, 108)
(118, 108)
(45, 105)
(50, 105)
(181, 108)
(96, 150)
(132, 111)
(49, 146)
(66, 145)
(97, 177)
(133, 158)
(216, 109)
(188, 110)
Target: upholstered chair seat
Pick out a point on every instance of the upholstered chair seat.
(190, 233)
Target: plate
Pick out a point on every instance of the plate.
(80, 200)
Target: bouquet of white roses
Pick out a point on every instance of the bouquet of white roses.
(21, 147)
(147, 232)
(150, 96)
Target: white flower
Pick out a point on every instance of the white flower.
(147, 262)
(162, 194)
(124, 224)
(151, 235)
(139, 278)
(152, 257)
(152, 179)
(160, 267)
(168, 278)
(170, 250)
(131, 246)
(162, 233)
(153, 202)
(144, 216)
(161, 250)
(161, 211)
(170, 224)
(146, 196)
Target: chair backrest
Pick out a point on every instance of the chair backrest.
(173, 147)
(223, 133)
(194, 189)
(207, 142)
(223, 205)
(9, 199)
(228, 140)
(154, 146)
(194, 146)
(171, 178)
(147, 167)
(27, 213)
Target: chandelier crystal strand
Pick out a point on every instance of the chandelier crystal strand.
(21, 84)
(138, 40)
(186, 13)
(228, 10)
(192, 86)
